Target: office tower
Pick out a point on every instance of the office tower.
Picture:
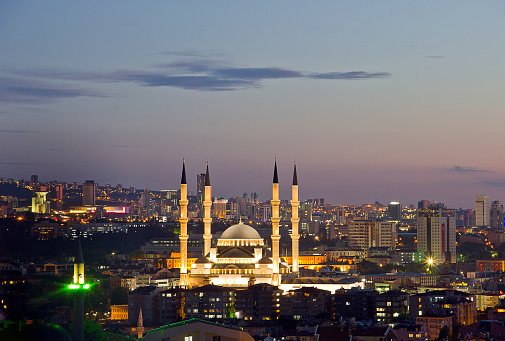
(422, 204)
(482, 210)
(89, 193)
(364, 234)
(395, 212)
(497, 214)
(200, 193)
(34, 181)
(436, 233)
(119, 188)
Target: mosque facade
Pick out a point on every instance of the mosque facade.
(240, 257)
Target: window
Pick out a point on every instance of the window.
(188, 338)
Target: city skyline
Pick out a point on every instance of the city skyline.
(387, 102)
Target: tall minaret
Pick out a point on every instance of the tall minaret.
(294, 221)
(79, 265)
(207, 220)
(183, 237)
(79, 294)
(275, 227)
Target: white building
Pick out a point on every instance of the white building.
(482, 210)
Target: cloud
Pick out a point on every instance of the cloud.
(350, 75)
(460, 169)
(497, 183)
(191, 53)
(21, 163)
(434, 57)
(23, 91)
(199, 73)
(18, 131)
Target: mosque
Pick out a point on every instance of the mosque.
(240, 256)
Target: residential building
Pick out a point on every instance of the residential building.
(436, 233)
(359, 304)
(390, 305)
(258, 302)
(364, 234)
(306, 303)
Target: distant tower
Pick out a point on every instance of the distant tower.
(294, 220)
(40, 204)
(89, 193)
(497, 214)
(395, 212)
(183, 237)
(200, 192)
(140, 325)
(482, 210)
(207, 220)
(275, 227)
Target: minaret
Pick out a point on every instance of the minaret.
(294, 221)
(207, 220)
(140, 325)
(183, 237)
(275, 227)
(79, 293)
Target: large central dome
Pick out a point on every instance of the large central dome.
(240, 231)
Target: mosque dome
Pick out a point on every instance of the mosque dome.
(240, 231)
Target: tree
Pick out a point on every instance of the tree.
(119, 296)
(444, 333)
(136, 254)
(366, 268)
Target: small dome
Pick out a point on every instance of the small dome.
(202, 260)
(265, 260)
(240, 231)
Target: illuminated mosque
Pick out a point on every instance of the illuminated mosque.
(240, 256)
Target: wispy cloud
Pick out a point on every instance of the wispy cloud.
(21, 163)
(350, 75)
(16, 131)
(434, 57)
(13, 90)
(461, 169)
(197, 72)
(496, 183)
(192, 53)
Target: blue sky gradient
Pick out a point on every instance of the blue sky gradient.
(388, 101)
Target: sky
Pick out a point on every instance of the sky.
(375, 100)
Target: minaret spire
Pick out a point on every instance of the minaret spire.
(276, 178)
(183, 220)
(183, 177)
(275, 227)
(207, 220)
(294, 221)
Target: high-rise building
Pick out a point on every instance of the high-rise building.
(482, 210)
(364, 234)
(395, 212)
(200, 192)
(89, 193)
(497, 214)
(436, 233)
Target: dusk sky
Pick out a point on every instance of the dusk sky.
(375, 100)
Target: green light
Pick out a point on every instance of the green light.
(78, 286)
